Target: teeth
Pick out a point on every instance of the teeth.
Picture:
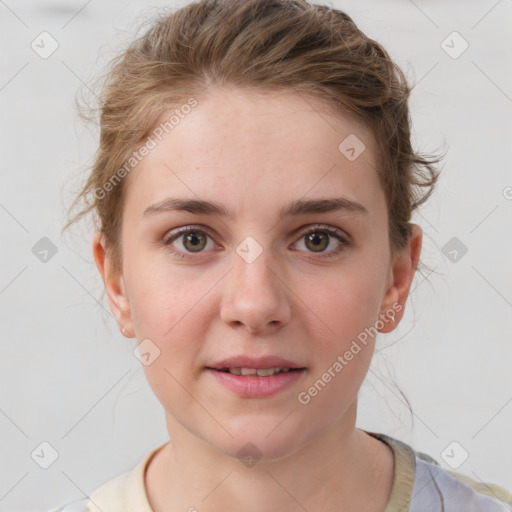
(266, 372)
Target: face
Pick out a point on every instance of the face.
(246, 281)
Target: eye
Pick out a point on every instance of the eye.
(317, 239)
(193, 240)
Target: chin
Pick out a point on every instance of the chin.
(264, 441)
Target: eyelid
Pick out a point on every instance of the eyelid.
(328, 228)
(177, 232)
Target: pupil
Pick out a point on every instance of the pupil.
(194, 240)
(317, 240)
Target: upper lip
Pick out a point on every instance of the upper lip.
(254, 362)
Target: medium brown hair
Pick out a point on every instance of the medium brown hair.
(266, 46)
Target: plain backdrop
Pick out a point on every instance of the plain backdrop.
(67, 376)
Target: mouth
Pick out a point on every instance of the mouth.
(257, 382)
(257, 372)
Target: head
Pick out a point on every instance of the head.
(244, 110)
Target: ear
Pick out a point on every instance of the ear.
(114, 286)
(400, 278)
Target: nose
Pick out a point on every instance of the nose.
(255, 295)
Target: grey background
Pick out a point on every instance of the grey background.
(69, 378)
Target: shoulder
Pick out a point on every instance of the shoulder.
(109, 496)
(124, 492)
(421, 484)
(437, 488)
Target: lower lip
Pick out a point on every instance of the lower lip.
(257, 387)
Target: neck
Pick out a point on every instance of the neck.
(334, 472)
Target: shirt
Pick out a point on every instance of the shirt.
(419, 485)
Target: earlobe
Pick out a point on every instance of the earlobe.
(114, 286)
(400, 278)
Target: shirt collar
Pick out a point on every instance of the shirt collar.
(127, 492)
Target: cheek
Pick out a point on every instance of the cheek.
(173, 309)
(162, 298)
(174, 319)
(347, 304)
(347, 309)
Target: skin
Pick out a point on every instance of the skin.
(255, 153)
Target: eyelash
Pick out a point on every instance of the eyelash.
(335, 233)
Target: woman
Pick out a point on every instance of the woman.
(253, 187)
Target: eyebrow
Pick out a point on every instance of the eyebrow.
(298, 207)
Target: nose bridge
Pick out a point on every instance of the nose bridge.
(254, 294)
(253, 267)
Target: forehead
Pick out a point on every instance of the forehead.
(248, 146)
